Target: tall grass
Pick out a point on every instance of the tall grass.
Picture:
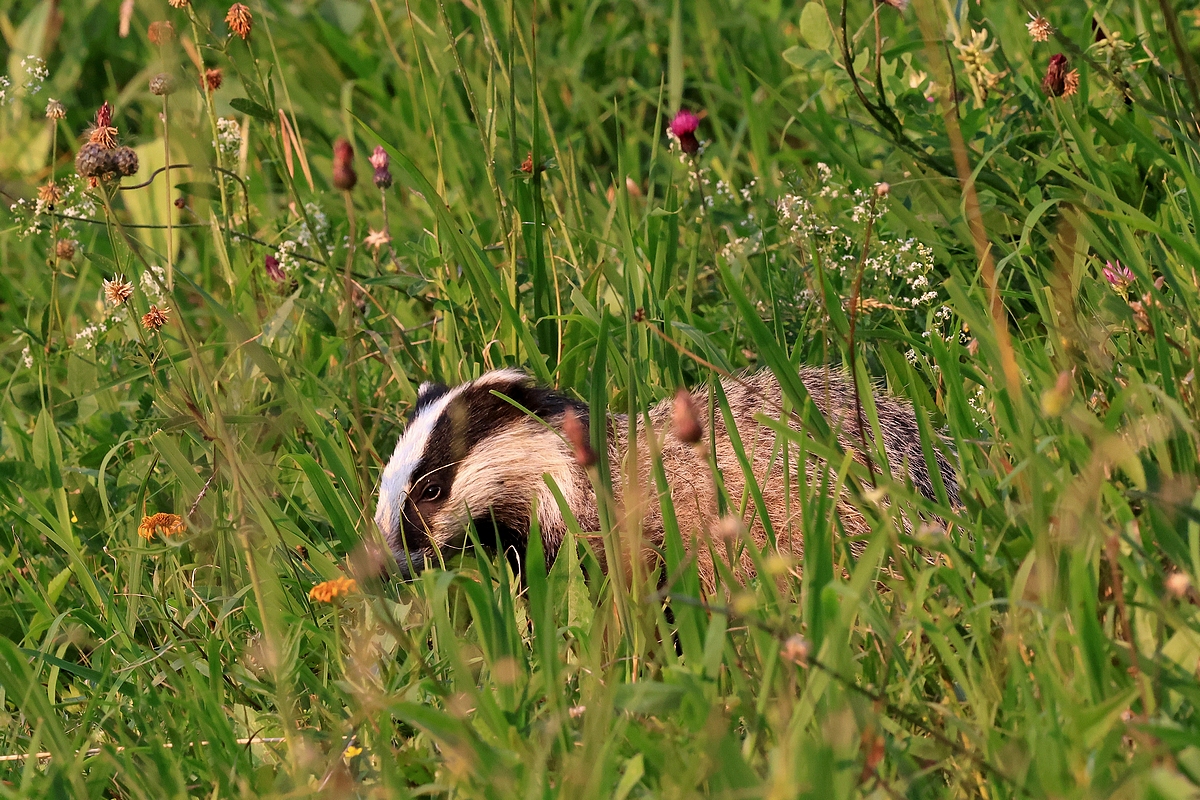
(1040, 640)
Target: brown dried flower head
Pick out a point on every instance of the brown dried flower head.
(65, 249)
(155, 318)
(344, 177)
(55, 110)
(162, 84)
(328, 591)
(166, 524)
(161, 32)
(103, 133)
(577, 436)
(178, 3)
(1056, 75)
(1039, 28)
(685, 421)
(1071, 83)
(239, 20)
(117, 291)
(213, 78)
(50, 193)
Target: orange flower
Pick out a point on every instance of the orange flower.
(213, 78)
(166, 524)
(328, 591)
(156, 318)
(239, 20)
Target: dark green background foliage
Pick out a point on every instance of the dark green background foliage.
(1043, 642)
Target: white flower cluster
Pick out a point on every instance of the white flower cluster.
(304, 236)
(5, 85)
(286, 256)
(90, 337)
(27, 358)
(229, 136)
(35, 73)
(33, 216)
(154, 282)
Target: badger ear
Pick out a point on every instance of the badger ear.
(427, 393)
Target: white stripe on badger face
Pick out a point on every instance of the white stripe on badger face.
(398, 474)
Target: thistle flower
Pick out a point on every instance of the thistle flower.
(55, 110)
(103, 133)
(343, 165)
(213, 78)
(65, 249)
(50, 193)
(377, 239)
(125, 160)
(328, 591)
(1039, 27)
(166, 524)
(1060, 81)
(117, 291)
(685, 422)
(577, 437)
(379, 161)
(683, 127)
(155, 318)
(162, 84)
(94, 160)
(1119, 276)
(239, 20)
(161, 32)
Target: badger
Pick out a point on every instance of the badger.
(480, 454)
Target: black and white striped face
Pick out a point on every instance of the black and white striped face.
(469, 455)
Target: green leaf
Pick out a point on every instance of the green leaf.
(814, 26)
(248, 106)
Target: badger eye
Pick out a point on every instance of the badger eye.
(431, 492)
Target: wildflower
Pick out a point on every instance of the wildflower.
(575, 712)
(1119, 276)
(351, 751)
(35, 73)
(166, 524)
(55, 110)
(65, 249)
(1178, 584)
(685, 422)
(343, 165)
(162, 84)
(683, 127)
(117, 291)
(883, 189)
(1059, 81)
(527, 164)
(271, 263)
(160, 32)
(213, 78)
(576, 434)
(155, 318)
(178, 3)
(50, 193)
(229, 136)
(239, 20)
(103, 133)
(1039, 27)
(328, 591)
(796, 649)
(976, 55)
(379, 161)
(377, 239)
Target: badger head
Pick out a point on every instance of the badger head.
(472, 455)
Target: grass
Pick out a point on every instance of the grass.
(1043, 643)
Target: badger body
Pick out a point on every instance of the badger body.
(478, 453)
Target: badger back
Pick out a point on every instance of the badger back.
(475, 452)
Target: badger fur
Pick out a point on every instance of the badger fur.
(472, 454)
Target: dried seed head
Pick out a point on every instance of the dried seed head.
(213, 78)
(239, 20)
(155, 318)
(685, 420)
(577, 437)
(343, 165)
(1178, 584)
(65, 249)
(161, 32)
(162, 84)
(796, 650)
(1039, 27)
(117, 291)
(55, 110)
(50, 193)
(1070, 83)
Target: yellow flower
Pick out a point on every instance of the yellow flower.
(351, 751)
(166, 524)
(328, 591)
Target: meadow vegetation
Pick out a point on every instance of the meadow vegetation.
(988, 209)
